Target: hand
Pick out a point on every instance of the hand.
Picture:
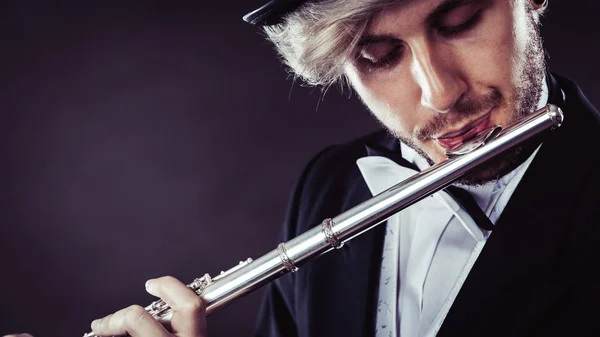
(188, 314)
(18, 335)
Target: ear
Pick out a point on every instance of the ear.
(539, 8)
(539, 5)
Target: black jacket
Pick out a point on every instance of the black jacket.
(538, 274)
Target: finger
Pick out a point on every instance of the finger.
(188, 310)
(18, 335)
(134, 320)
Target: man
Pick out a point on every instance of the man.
(434, 73)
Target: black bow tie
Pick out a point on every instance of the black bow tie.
(464, 198)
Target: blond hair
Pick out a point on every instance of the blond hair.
(319, 38)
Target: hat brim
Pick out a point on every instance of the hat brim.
(273, 12)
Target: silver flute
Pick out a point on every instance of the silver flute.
(250, 275)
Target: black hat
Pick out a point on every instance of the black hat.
(272, 12)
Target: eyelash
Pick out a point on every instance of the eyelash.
(396, 52)
(451, 31)
(385, 61)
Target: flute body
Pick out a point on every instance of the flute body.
(250, 275)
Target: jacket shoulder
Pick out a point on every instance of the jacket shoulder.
(331, 182)
(341, 158)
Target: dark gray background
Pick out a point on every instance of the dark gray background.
(147, 138)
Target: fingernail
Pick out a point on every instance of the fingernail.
(148, 285)
(95, 324)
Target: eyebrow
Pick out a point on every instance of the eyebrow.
(432, 18)
(373, 39)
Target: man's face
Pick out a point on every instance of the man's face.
(435, 72)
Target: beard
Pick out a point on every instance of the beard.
(529, 74)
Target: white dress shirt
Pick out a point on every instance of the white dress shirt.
(430, 247)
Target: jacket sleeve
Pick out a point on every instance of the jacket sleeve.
(277, 316)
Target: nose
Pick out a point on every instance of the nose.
(436, 74)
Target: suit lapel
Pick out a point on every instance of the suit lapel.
(372, 242)
(349, 295)
(508, 285)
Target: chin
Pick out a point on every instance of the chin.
(492, 170)
(499, 166)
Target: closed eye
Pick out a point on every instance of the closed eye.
(380, 55)
(463, 27)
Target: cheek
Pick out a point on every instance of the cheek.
(496, 59)
(391, 100)
(491, 60)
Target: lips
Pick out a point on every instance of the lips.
(451, 140)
